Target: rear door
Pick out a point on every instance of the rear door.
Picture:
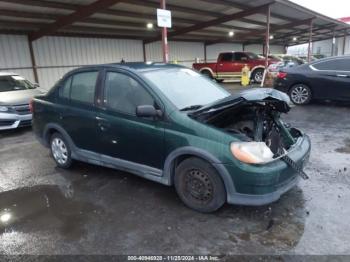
(226, 67)
(122, 134)
(77, 110)
(343, 77)
(240, 59)
(325, 80)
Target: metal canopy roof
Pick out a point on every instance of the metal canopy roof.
(195, 20)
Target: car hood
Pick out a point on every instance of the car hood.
(279, 100)
(18, 97)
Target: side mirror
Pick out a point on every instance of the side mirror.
(148, 111)
(36, 85)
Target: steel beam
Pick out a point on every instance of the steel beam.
(333, 43)
(344, 42)
(32, 58)
(309, 49)
(165, 47)
(267, 37)
(217, 21)
(79, 14)
(257, 32)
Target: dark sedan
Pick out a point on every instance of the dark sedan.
(324, 79)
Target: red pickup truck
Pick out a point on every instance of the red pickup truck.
(229, 66)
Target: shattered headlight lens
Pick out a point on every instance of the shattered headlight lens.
(252, 152)
(3, 109)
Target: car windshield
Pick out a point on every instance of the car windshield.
(13, 83)
(252, 55)
(186, 88)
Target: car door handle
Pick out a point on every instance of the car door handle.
(103, 123)
(100, 118)
(342, 75)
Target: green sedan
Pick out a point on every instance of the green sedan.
(169, 124)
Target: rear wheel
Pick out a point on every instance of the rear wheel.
(60, 151)
(300, 94)
(207, 74)
(258, 75)
(199, 185)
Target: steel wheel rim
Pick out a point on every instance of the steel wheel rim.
(300, 94)
(258, 76)
(198, 186)
(59, 151)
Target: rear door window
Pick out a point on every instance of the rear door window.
(82, 87)
(228, 57)
(341, 64)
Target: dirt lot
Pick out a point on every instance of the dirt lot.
(95, 210)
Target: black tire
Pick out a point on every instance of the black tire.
(199, 185)
(219, 80)
(300, 94)
(60, 151)
(257, 75)
(207, 74)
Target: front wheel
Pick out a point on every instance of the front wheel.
(199, 185)
(300, 94)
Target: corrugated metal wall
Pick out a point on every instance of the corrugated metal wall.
(62, 54)
(214, 50)
(14, 53)
(258, 49)
(185, 53)
(56, 55)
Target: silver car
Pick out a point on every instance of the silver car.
(15, 95)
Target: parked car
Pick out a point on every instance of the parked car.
(324, 79)
(15, 94)
(229, 66)
(171, 125)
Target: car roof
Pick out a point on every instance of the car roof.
(330, 58)
(136, 66)
(8, 74)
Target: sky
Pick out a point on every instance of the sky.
(332, 8)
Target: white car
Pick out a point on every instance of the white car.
(15, 95)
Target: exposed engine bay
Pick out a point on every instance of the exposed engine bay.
(253, 117)
(259, 122)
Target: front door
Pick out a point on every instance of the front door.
(122, 134)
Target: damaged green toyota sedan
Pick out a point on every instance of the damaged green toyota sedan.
(169, 124)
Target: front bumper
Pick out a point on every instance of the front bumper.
(263, 184)
(12, 121)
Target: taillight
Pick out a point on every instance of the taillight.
(282, 75)
(31, 105)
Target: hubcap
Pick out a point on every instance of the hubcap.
(299, 95)
(59, 151)
(199, 186)
(258, 76)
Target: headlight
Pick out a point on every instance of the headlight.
(3, 109)
(252, 152)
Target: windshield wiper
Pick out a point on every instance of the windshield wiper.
(188, 108)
